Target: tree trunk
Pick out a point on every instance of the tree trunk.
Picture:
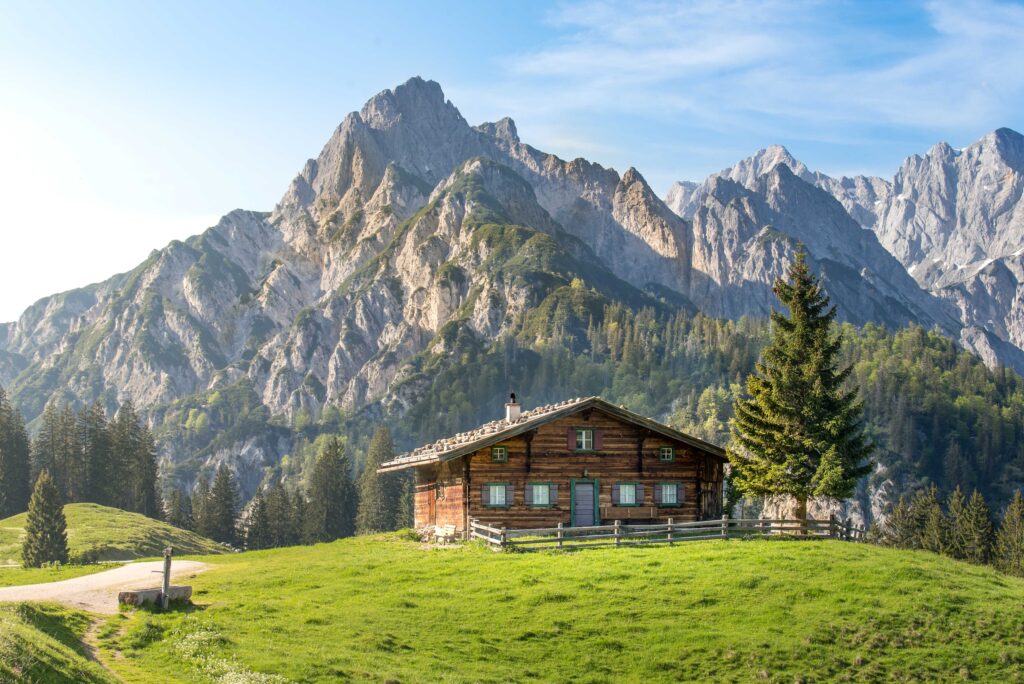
(801, 512)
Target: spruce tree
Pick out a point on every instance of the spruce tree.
(406, 504)
(1008, 552)
(46, 538)
(978, 530)
(799, 432)
(331, 508)
(934, 526)
(956, 507)
(258, 533)
(15, 460)
(222, 507)
(902, 528)
(134, 455)
(379, 494)
(178, 510)
(94, 476)
(201, 506)
(281, 517)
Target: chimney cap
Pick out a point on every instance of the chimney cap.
(512, 398)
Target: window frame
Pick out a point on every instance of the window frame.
(503, 449)
(679, 494)
(506, 485)
(547, 487)
(671, 454)
(580, 431)
(635, 502)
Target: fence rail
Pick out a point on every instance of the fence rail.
(669, 532)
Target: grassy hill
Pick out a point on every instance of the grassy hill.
(106, 534)
(43, 644)
(383, 609)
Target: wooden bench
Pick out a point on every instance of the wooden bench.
(445, 534)
(629, 513)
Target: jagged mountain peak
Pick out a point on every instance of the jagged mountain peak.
(503, 129)
(416, 101)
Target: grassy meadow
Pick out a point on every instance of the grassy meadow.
(43, 644)
(100, 533)
(384, 609)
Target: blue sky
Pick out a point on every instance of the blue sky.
(125, 125)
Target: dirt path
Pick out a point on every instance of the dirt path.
(98, 593)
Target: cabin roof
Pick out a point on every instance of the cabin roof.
(465, 443)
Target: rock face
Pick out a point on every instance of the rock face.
(953, 219)
(411, 228)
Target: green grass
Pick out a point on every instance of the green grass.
(43, 644)
(99, 533)
(381, 608)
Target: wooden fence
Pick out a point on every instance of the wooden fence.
(669, 532)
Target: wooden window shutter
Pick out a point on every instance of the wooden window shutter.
(639, 495)
(598, 440)
(528, 495)
(615, 494)
(485, 495)
(570, 439)
(553, 494)
(658, 491)
(509, 495)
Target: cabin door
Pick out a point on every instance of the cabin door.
(584, 503)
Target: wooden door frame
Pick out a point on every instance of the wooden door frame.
(572, 499)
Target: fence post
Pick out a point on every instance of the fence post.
(847, 529)
(559, 535)
(670, 521)
(504, 536)
(617, 532)
(832, 525)
(725, 526)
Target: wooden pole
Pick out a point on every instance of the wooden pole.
(725, 526)
(164, 598)
(670, 521)
(848, 529)
(560, 535)
(504, 536)
(617, 532)
(832, 525)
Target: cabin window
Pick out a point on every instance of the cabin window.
(666, 454)
(627, 494)
(584, 439)
(499, 454)
(541, 494)
(497, 495)
(668, 494)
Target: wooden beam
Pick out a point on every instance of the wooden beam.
(528, 436)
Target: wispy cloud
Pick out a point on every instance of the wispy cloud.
(795, 68)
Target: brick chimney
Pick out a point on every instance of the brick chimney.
(512, 409)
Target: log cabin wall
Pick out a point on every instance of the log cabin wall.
(440, 495)
(624, 453)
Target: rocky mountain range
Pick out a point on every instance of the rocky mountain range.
(412, 228)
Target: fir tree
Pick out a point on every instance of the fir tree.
(46, 538)
(134, 454)
(1008, 552)
(956, 507)
(201, 506)
(93, 477)
(800, 431)
(902, 527)
(379, 494)
(281, 517)
(977, 530)
(178, 511)
(330, 511)
(222, 507)
(934, 525)
(258, 533)
(406, 504)
(15, 460)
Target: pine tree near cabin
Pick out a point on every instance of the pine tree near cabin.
(46, 537)
(1008, 551)
(799, 432)
(15, 460)
(378, 493)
